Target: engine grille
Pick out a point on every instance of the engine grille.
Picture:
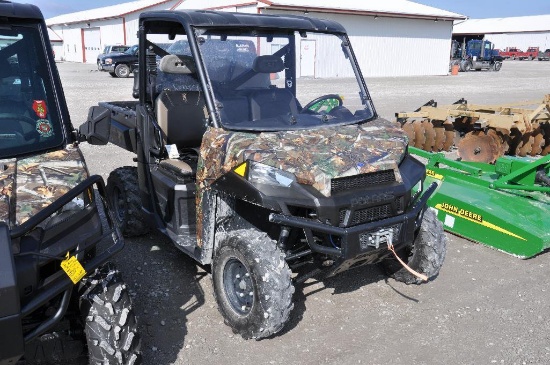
(372, 214)
(359, 181)
(367, 215)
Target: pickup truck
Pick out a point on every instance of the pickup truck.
(109, 50)
(530, 54)
(510, 52)
(544, 56)
(120, 64)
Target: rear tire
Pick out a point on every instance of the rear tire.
(123, 194)
(122, 71)
(425, 255)
(110, 322)
(252, 284)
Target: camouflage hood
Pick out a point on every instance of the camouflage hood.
(30, 184)
(317, 156)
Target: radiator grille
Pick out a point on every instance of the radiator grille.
(359, 181)
(367, 215)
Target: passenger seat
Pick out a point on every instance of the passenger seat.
(181, 111)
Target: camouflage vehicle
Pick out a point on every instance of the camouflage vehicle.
(61, 302)
(249, 166)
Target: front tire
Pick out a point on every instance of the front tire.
(497, 66)
(122, 71)
(425, 255)
(252, 284)
(110, 322)
(123, 194)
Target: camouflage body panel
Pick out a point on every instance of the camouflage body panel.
(30, 184)
(315, 156)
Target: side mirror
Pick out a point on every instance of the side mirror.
(97, 128)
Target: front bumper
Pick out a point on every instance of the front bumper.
(105, 67)
(358, 245)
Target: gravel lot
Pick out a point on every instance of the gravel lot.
(485, 307)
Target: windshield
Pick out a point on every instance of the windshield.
(132, 50)
(273, 81)
(119, 48)
(29, 120)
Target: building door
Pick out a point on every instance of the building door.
(91, 40)
(307, 57)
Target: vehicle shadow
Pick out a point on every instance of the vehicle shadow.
(345, 282)
(166, 288)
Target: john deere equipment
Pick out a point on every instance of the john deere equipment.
(482, 133)
(504, 205)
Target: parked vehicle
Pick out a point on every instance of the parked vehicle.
(60, 301)
(120, 64)
(544, 56)
(475, 55)
(258, 175)
(531, 54)
(108, 51)
(510, 52)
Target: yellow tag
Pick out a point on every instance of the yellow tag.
(73, 269)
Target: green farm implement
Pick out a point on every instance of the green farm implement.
(505, 205)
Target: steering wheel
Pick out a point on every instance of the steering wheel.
(21, 118)
(328, 102)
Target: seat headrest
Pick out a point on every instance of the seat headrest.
(177, 64)
(268, 64)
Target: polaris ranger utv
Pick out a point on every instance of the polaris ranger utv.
(248, 164)
(60, 301)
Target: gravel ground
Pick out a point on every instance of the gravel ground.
(485, 307)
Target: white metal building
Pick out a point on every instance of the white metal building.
(85, 33)
(390, 38)
(56, 42)
(521, 32)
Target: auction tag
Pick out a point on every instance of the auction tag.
(73, 268)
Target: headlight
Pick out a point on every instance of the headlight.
(108, 61)
(263, 174)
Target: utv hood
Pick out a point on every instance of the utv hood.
(317, 156)
(30, 184)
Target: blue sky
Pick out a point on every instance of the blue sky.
(471, 8)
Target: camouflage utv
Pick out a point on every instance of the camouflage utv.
(246, 162)
(60, 302)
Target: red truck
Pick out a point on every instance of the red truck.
(531, 54)
(510, 52)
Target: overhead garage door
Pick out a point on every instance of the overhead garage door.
(92, 44)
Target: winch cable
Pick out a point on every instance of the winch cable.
(415, 273)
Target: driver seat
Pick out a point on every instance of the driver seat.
(270, 102)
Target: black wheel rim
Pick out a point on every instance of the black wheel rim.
(238, 286)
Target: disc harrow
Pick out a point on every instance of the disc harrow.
(481, 133)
